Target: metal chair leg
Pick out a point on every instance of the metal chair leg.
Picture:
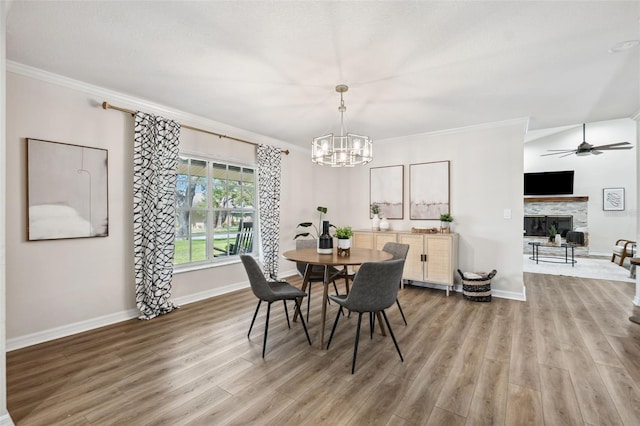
(355, 347)
(254, 317)
(372, 322)
(335, 323)
(384, 314)
(266, 329)
(308, 302)
(401, 313)
(286, 313)
(302, 320)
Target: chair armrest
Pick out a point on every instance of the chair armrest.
(627, 242)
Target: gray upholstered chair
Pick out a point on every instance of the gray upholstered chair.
(399, 251)
(271, 291)
(317, 271)
(374, 289)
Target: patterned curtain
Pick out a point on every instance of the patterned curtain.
(269, 159)
(155, 161)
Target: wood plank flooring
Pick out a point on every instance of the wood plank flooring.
(568, 355)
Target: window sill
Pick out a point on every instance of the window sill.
(196, 267)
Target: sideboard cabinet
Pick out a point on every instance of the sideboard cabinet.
(432, 258)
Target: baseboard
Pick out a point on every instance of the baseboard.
(5, 420)
(510, 294)
(93, 323)
(70, 329)
(458, 289)
(185, 300)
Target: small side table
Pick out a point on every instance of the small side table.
(635, 261)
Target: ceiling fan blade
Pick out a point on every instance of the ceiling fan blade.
(558, 153)
(566, 155)
(611, 145)
(561, 150)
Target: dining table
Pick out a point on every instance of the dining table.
(310, 256)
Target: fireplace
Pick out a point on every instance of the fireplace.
(538, 226)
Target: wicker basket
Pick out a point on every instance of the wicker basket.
(476, 286)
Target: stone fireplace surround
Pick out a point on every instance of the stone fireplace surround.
(577, 207)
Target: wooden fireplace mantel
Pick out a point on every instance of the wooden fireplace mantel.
(554, 199)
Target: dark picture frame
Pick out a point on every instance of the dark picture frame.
(386, 189)
(429, 190)
(67, 191)
(613, 199)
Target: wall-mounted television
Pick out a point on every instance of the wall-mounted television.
(549, 183)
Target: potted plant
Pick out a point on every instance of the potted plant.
(445, 222)
(375, 221)
(321, 210)
(552, 233)
(343, 234)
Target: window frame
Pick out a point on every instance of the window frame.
(211, 259)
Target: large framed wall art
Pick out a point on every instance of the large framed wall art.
(429, 190)
(386, 186)
(67, 191)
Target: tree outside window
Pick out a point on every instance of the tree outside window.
(215, 208)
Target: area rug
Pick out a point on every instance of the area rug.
(585, 267)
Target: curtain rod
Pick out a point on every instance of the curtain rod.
(107, 105)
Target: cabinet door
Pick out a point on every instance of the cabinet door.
(382, 239)
(413, 266)
(438, 267)
(363, 240)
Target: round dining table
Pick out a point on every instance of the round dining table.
(356, 257)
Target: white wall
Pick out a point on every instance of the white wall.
(486, 178)
(61, 287)
(612, 169)
(4, 416)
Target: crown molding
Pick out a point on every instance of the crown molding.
(484, 126)
(636, 116)
(130, 102)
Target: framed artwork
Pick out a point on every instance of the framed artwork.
(67, 191)
(429, 190)
(613, 199)
(386, 186)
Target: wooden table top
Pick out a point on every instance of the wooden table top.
(357, 257)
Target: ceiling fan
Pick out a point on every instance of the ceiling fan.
(587, 149)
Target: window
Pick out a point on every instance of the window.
(215, 209)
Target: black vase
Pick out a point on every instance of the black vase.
(325, 242)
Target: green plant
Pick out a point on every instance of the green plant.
(553, 231)
(375, 209)
(446, 217)
(343, 232)
(321, 210)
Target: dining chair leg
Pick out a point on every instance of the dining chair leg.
(302, 320)
(384, 314)
(401, 313)
(335, 323)
(266, 329)
(335, 287)
(254, 317)
(308, 301)
(284, 302)
(355, 347)
(372, 321)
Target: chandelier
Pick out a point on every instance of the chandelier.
(345, 150)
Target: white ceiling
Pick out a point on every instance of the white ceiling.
(412, 67)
